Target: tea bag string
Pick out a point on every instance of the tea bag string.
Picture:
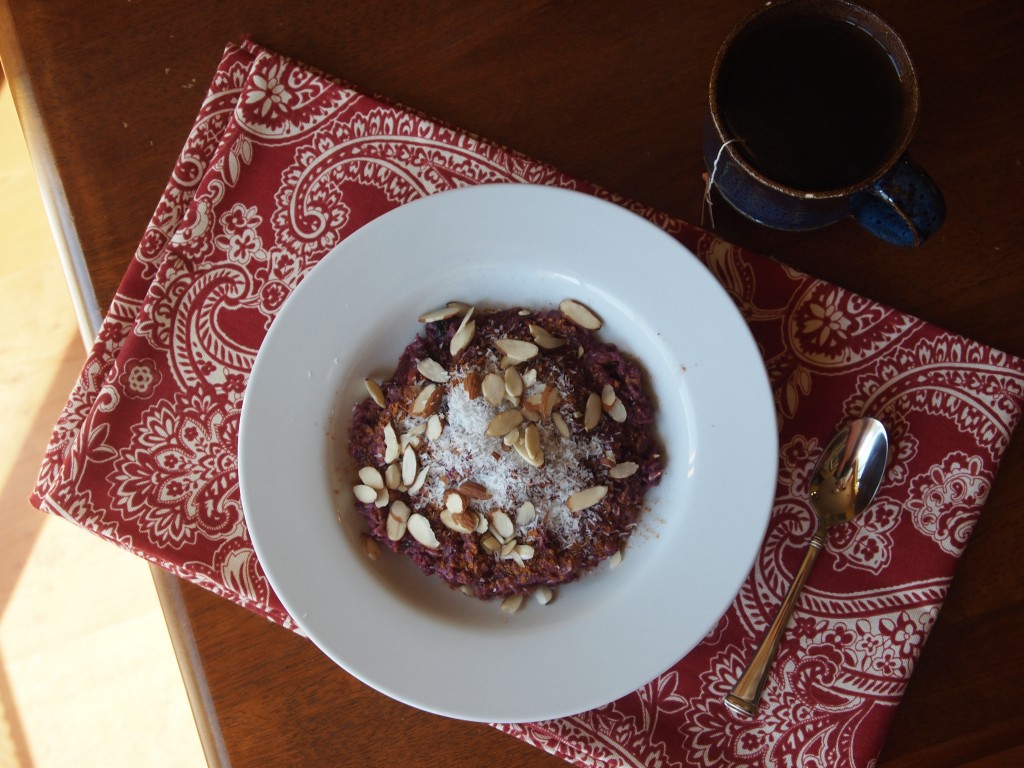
(709, 181)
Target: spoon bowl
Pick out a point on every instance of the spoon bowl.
(844, 482)
(849, 472)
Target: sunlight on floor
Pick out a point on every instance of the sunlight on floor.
(87, 673)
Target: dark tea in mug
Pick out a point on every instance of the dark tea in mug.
(814, 102)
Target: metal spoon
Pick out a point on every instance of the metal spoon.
(844, 482)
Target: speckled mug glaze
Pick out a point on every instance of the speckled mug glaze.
(897, 202)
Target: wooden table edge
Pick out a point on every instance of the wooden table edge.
(90, 317)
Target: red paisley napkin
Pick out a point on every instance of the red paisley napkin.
(282, 164)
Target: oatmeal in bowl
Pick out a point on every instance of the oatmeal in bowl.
(509, 453)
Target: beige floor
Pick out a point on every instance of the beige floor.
(87, 673)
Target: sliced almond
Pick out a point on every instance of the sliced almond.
(398, 518)
(543, 595)
(417, 484)
(455, 501)
(396, 528)
(531, 406)
(474, 490)
(460, 522)
(615, 560)
(531, 440)
(409, 468)
(493, 389)
(365, 493)
(525, 551)
(617, 411)
(560, 425)
(463, 334)
(472, 385)
(502, 525)
(393, 475)
(529, 377)
(375, 392)
(514, 437)
(516, 350)
(586, 498)
(421, 404)
(593, 413)
(549, 399)
(534, 460)
(608, 395)
(462, 338)
(513, 384)
(383, 497)
(432, 370)
(623, 469)
(390, 443)
(420, 529)
(370, 546)
(526, 513)
(490, 543)
(444, 313)
(512, 603)
(507, 548)
(580, 314)
(504, 423)
(434, 427)
(371, 476)
(544, 339)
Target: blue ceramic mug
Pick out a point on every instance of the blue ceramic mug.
(812, 106)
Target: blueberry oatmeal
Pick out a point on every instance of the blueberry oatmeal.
(509, 453)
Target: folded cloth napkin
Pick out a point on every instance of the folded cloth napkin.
(282, 164)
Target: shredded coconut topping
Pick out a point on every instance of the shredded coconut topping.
(463, 452)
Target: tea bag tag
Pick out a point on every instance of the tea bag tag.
(709, 181)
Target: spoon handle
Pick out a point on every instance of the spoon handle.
(746, 694)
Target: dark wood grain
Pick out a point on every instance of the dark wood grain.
(614, 93)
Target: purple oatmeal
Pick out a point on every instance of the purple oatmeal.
(509, 453)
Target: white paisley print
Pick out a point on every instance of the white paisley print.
(282, 164)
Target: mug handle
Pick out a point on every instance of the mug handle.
(904, 207)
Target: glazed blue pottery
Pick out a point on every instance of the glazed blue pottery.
(791, 109)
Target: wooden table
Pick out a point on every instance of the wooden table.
(609, 91)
